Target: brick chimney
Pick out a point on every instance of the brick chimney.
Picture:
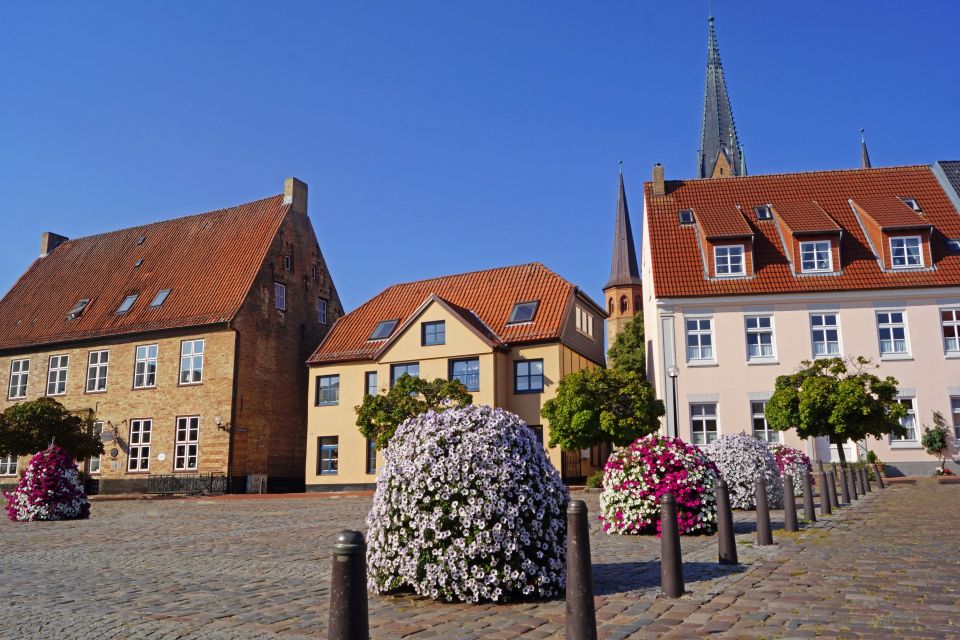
(295, 195)
(50, 241)
(659, 187)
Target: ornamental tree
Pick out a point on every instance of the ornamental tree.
(837, 399)
(935, 440)
(29, 427)
(628, 352)
(379, 415)
(601, 405)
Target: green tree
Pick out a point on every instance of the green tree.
(935, 440)
(837, 399)
(628, 351)
(29, 427)
(601, 405)
(380, 415)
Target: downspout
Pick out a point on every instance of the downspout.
(233, 404)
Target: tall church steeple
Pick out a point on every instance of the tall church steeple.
(622, 290)
(720, 152)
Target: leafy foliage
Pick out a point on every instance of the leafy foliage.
(601, 405)
(793, 462)
(629, 349)
(50, 489)
(935, 440)
(741, 459)
(379, 415)
(29, 427)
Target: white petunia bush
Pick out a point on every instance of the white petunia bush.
(740, 459)
(467, 508)
(794, 462)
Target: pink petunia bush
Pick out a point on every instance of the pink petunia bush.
(741, 459)
(636, 476)
(468, 508)
(49, 489)
(794, 462)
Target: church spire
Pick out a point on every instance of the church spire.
(864, 156)
(623, 267)
(720, 151)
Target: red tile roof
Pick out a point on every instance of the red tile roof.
(722, 223)
(805, 217)
(489, 295)
(891, 213)
(676, 259)
(209, 261)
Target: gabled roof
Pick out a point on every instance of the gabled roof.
(890, 213)
(718, 223)
(484, 299)
(676, 260)
(208, 261)
(805, 217)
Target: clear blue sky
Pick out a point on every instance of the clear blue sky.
(439, 137)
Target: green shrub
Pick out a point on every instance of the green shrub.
(594, 480)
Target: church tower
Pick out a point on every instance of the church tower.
(721, 155)
(622, 291)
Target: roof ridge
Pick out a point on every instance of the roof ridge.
(470, 273)
(798, 173)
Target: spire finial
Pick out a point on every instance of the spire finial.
(864, 156)
(620, 167)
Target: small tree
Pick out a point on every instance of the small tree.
(837, 399)
(935, 440)
(29, 427)
(601, 405)
(380, 415)
(628, 352)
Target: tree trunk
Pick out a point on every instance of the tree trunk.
(842, 455)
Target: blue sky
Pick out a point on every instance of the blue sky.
(440, 137)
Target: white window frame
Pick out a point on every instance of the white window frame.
(331, 446)
(760, 331)
(186, 444)
(767, 431)
(896, 442)
(141, 431)
(728, 254)
(142, 373)
(584, 321)
(705, 436)
(902, 240)
(280, 295)
(94, 462)
(8, 465)
(951, 345)
(57, 374)
(699, 353)
(98, 366)
(19, 378)
(321, 311)
(955, 416)
(825, 327)
(885, 322)
(191, 361)
(813, 248)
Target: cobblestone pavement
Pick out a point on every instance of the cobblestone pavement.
(888, 567)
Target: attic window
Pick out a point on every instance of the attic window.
(953, 244)
(138, 263)
(686, 216)
(913, 204)
(127, 303)
(160, 298)
(141, 240)
(763, 212)
(78, 308)
(383, 329)
(523, 312)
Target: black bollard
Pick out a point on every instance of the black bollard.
(809, 514)
(789, 505)
(858, 476)
(844, 488)
(764, 536)
(876, 469)
(581, 613)
(348, 588)
(726, 541)
(866, 480)
(832, 491)
(671, 562)
(825, 509)
(852, 481)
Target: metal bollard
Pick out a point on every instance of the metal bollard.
(764, 536)
(832, 491)
(876, 469)
(726, 542)
(844, 488)
(348, 588)
(671, 562)
(852, 481)
(866, 480)
(825, 509)
(581, 614)
(809, 513)
(789, 505)
(859, 478)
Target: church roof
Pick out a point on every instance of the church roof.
(718, 133)
(623, 267)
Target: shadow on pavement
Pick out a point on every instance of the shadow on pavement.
(621, 577)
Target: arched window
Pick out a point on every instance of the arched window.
(623, 304)
(637, 304)
(610, 306)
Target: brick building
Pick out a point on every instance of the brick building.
(187, 338)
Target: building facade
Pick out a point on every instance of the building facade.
(186, 338)
(509, 335)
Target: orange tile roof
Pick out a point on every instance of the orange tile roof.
(891, 213)
(722, 222)
(676, 259)
(805, 217)
(490, 295)
(209, 262)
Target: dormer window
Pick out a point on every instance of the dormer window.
(728, 260)
(77, 309)
(913, 204)
(764, 212)
(686, 216)
(127, 303)
(383, 329)
(160, 298)
(523, 312)
(816, 256)
(906, 252)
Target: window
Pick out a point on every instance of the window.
(383, 329)
(191, 361)
(187, 444)
(432, 333)
(328, 390)
(139, 457)
(699, 339)
(908, 422)
(703, 423)
(328, 459)
(8, 465)
(685, 216)
(584, 321)
(624, 305)
(893, 332)
(288, 263)
(77, 309)
(138, 263)
(467, 372)
(761, 429)
(93, 463)
(523, 312)
(314, 272)
(160, 298)
(145, 370)
(370, 383)
(97, 364)
(397, 371)
(913, 204)
(825, 330)
(906, 252)
(955, 412)
(127, 303)
(280, 296)
(528, 376)
(728, 260)
(759, 337)
(57, 375)
(764, 212)
(950, 326)
(953, 245)
(816, 256)
(19, 376)
(371, 456)
(321, 311)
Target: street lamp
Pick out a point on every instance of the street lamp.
(673, 372)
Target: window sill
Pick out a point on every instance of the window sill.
(55, 395)
(92, 393)
(528, 392)
(887, 357)
(327, 404)
(762, 361)
(912, 444)
(189, 384)
(702, 363)
(952, 355)
(144, 388)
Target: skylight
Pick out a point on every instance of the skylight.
(523, 312)
(954, 245)
(160, 298)
(763, 212)
(127, 303)
(383, 329)
(913, 204)
(78, 308)
(686, 216)
(138, 262)
(141, 239)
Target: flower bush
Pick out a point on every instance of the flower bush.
(794, 462)
(636, 476)
(467, 508)
(50, 489)
(740, 459)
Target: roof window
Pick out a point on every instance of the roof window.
(160, 298)
(127, 303)
(78, 308)
(686, 216)
(383, 329)
(913, 204)
(953, 244)
(138, 263)
(141, 239)
(523, 312)
(763, 212)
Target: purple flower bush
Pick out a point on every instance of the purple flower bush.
(794, 462)
(636, 476)
(468, 508)
(741, 459)
(50, 489)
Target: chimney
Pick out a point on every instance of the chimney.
(295, 195)
(50, 241)
(659, 188)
